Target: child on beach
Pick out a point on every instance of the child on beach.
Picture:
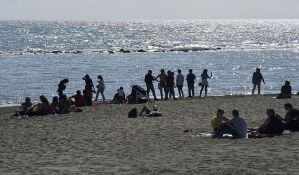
(257, 78)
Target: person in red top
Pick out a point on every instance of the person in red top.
(79, 99)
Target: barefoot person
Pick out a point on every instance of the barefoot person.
(148, 79)
(62, 86)
(101, 88)
(204, 81)
(162, 82)
(180, 83)
(190, 82)
(257, 78)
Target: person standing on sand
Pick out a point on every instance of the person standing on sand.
(257, 78)
(62, 86)
(169, 86)
(180, 83)
(101, 88)
(190, 81)
(162, 77)
(89, 88)
(237, 127)
(204, 81)
(148, 79)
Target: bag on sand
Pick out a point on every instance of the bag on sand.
(132, 113)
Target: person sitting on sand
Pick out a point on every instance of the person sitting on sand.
(237, 127)
(24, 107)
(257, 78)
(42, 108)
(291, 118)
(218, 120)
(120, 96)
(286, 91)
(79, 99)
(64, 105)
(272, 125)
(55, 105)
(62, 86)
(149, 113)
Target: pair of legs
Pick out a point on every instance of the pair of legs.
(206, 89)
(100, 91)
(226, 129)
(150, 87)
(258, 88)
(161, 88)
(191, 90)
(180, 90)
(169, 92)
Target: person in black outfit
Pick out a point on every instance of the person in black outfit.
(62, 86)
(273, 124)
(286, 91)
(89, 88)
(169, 89)
(291, 118)
(257, 78)
(190, 81)
(148, 79)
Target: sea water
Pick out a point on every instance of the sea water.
(36, 55)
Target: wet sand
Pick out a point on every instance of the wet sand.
(102, 140)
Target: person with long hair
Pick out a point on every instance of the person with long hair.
(204, 81)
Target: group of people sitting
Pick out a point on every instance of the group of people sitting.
(273, 125)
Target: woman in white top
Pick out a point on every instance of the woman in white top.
(101, 88)
(180, 83)
(204, 81)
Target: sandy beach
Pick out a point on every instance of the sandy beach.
(102, 140)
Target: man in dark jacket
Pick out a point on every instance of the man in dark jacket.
(257, 78)
(190, 81)
(148, 79)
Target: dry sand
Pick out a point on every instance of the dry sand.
(102, 140)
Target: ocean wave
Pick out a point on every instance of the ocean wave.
(151, 49)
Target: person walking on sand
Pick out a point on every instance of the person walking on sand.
(101, 88)
(204, 81)
(257, 78)
(180, 83)
(148, 79)
(162, 78)
(190, 82)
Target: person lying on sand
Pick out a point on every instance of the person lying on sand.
(23, 109)
(149, 113)
(218, 120)
(237, 127)
(291, 118)
(272, 125)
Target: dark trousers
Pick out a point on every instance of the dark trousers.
(226, 129)
(191, 90)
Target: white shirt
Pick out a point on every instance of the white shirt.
(240, 125)
(180, 79)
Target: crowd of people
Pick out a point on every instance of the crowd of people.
(166, 84)
(273, 125)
